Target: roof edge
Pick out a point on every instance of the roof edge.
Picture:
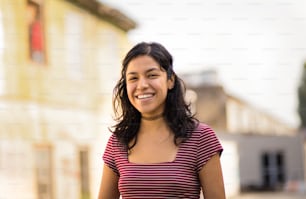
(107, 13)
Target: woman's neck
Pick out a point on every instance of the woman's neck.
(153, 126)
(152, 118)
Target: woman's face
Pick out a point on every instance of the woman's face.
(147, 85)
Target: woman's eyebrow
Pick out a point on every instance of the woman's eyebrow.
(152, 69)
(131, 73)
(147, 71)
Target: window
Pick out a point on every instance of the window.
(2, 71)
(84, 172)
(280, 165)
(36, 31)
(74, 45)
(43, 172)
(1, 34)
(273, 171)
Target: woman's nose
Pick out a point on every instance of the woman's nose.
(142, 83)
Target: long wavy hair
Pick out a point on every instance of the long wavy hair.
(177, 112)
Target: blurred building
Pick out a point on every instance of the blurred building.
(58, 63)
(261, 152)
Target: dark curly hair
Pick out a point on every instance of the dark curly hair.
(177, 113)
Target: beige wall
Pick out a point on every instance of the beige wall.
(210, 106)
(64, 104)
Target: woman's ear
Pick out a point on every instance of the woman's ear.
(171, 82)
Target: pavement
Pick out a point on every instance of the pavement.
(270, 195)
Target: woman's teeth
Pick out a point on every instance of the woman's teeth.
(144, 96)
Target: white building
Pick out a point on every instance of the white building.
(264, 153)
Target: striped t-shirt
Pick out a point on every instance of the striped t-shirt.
(176, 179)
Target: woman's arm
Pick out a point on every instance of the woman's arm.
(211, 179)
(109, 184)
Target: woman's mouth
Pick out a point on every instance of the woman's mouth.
(144, 96)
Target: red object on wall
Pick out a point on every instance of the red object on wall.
(37, 36)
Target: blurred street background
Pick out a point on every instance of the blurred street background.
(270, 195)
(243, 62)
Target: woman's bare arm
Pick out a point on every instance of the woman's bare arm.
(212, 179)
(109, 184)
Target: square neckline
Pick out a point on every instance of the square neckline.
(156, 163)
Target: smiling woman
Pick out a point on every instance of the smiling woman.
(158, 148)
(147, 86)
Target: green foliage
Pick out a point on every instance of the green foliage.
(302, 99)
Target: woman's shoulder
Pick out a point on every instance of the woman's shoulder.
(201, 135)
(114, 141)
(202, 128)
(112, 138)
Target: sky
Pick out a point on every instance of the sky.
(257, 47)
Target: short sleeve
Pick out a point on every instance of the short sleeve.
(108, 156)
(208, 145)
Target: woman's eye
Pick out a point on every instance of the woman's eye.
(153, 75)
(132, 78)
